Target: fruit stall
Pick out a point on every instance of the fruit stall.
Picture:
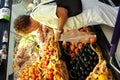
(84, 59)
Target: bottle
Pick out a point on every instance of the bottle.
(5, 11)
(4, 54)
(5, 37)
(0, 57)
(4, 45)
(0, 3)
(4, 51)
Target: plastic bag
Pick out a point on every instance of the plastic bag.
(75, 35)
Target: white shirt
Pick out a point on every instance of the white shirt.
(94, 12)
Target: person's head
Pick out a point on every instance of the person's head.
(24, 24)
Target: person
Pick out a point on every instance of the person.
(94, 13)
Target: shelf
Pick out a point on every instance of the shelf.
(4, 25)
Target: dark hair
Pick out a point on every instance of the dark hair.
(20, 24)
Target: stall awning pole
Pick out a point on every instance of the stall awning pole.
(115, 36)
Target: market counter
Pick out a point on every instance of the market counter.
(104, 45)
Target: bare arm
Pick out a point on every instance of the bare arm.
(62, 14)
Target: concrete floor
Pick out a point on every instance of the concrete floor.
(20, 9)
(16, 10)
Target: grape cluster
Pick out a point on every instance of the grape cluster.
(83, 63)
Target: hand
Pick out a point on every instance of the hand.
(57, 35)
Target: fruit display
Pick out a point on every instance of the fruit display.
(33, 62)
(86, 61)
(51, 60)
